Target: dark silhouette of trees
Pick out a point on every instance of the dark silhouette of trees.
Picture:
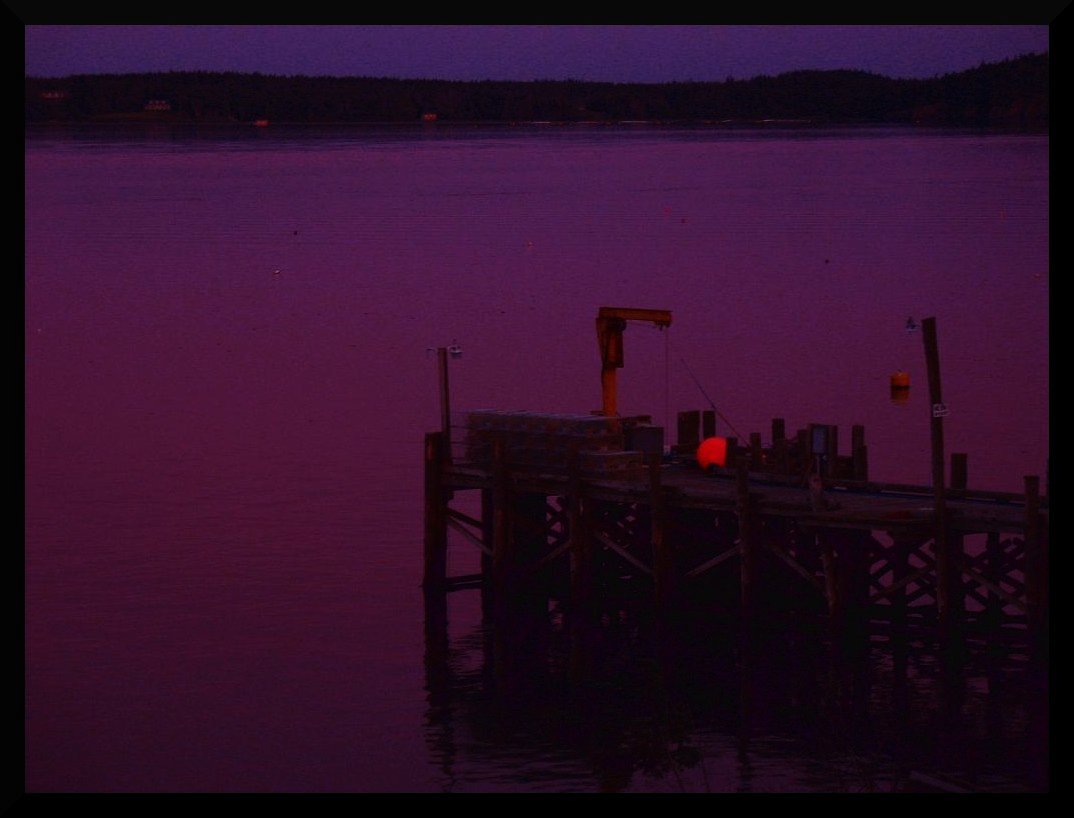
(1011, 94)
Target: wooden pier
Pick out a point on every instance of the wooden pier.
(556, 524)
(593, 515)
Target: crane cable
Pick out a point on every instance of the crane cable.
(699, 386)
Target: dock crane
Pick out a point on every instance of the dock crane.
(611, 321)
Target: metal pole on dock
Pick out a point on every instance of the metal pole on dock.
(445, 402)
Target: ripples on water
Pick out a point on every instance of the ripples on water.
(227, 383)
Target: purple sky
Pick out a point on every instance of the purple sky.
(602, 53)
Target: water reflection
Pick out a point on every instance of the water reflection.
(629, 705)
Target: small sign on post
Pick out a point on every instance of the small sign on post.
(939, 410)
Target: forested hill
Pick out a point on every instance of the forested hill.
(1009, 94)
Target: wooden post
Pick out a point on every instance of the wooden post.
(1036, 570)
(959, 471)
(805, 453)
(745, 541)
(708, 424)
(858, 452)
(832, 454)
(487, 595)
(779, 429)
(1036, 575)
(445, 403)
(756, 455)
(994, 572)
(435, 551)
(944, 568)
(688, 428)
(581, 547)
(502, 550)
(663, 558)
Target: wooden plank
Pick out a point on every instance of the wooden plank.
(794, 565)
(468, 534)
(712, 563)
(463, 517)
(622, 552)
(995, 589)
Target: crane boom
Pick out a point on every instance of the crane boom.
(611, 321)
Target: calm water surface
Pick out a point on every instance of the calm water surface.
(227, 383)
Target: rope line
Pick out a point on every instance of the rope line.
(706, 394)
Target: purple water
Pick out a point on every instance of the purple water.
(227, 383)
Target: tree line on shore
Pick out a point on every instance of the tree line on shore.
(1013, 93)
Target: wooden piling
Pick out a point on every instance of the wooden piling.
(487, 595)
(502, 550)
(779, 430)
(959, 472)
(663, 558)
(435, 543)
(708, 424)
(445, 403)
(689, 423)
(1036, 570)
(756, 452)
(580, 547)
(858, 453)
(945, 570)
(745, 542)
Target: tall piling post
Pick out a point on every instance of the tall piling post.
(503, 568)
(445, 402)
(663, 558)
(858, 453)
(435, 543)
(947, 571)
(745, 542)
(1036, 576)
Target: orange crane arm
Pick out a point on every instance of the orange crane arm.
(611, 321)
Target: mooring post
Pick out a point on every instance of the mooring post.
(858, 452)
(780, 464)
(689, 423)
(708, 423)
(445, 403)
(805, 453)
(435, 551)
(756, 452)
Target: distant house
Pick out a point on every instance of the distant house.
(158, 105)
(429, 117)
(54, 96)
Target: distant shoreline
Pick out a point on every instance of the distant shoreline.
(1011, 95)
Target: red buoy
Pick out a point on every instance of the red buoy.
(712, 452)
